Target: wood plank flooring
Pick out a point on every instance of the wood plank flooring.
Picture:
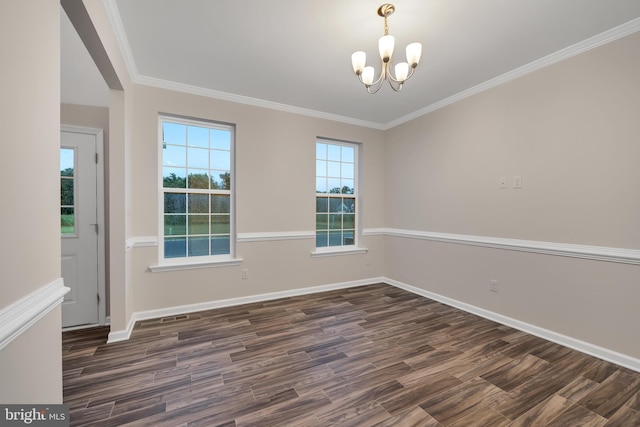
(367, 356)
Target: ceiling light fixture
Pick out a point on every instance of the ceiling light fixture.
(403, 70)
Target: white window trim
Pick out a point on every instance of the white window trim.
(188, 263)
(356, 248)
(338, 250)
(192, 264)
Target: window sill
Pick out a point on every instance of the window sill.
(338, 251)
(192, 265)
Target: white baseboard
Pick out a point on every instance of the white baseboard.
(123, 335)
(19, 316)
(576, 344)
(567, 341)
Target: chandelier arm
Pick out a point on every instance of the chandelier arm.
(411, 70)
(376, 86)
(370, 91)
(396, 89)
(386, 47)
(391, 78)
(378, 83)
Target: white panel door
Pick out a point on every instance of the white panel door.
(79, 229)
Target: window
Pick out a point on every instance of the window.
(67, 192)
(336, 194)
(197, 183)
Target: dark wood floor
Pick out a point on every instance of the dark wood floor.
(367, 356)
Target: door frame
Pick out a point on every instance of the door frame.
(100, 206)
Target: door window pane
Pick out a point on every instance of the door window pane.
(67, 191)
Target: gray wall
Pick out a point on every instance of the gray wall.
(275, 170)
(571, 132)
(568, 130)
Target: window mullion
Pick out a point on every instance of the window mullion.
(340, 173)
(198, 139)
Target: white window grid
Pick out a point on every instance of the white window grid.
(211, 192)
(338, 173)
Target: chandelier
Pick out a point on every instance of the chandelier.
(403, 70)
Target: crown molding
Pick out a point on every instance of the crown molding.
(254, 102)
(121, 36)
(566, 53)
(113, 14)
(580, 47)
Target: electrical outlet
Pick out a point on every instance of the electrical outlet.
(493, 285)
(245, 273)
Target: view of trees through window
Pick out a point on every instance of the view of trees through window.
(67, 183)
(335, 194)
(196, 183)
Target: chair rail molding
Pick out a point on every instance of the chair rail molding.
(266, 236)
(598, 253)
(141, 242)
(19, 316)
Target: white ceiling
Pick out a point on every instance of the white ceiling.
(80, 81)
(296, 54)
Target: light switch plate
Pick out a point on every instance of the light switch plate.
(517, 181)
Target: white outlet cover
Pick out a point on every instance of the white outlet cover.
(517, 181)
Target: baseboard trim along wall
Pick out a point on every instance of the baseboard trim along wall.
(598, 253)
(19, 316)
(579, 345)
(123, 335)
